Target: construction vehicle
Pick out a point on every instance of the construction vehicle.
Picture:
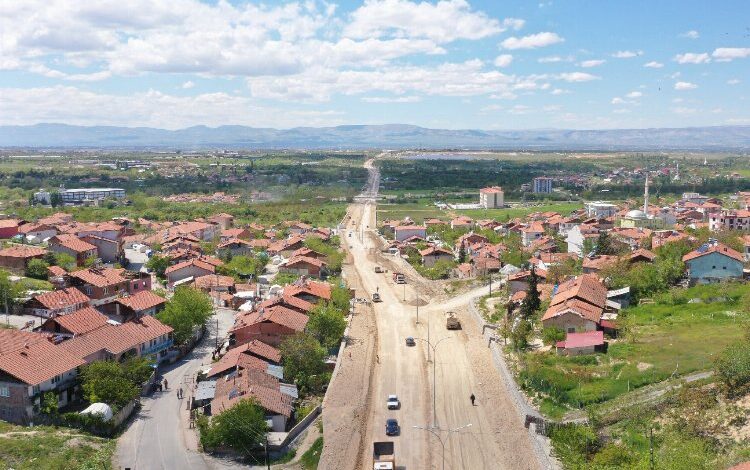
(378, 269)
(399, 278)
(376, 297)
(451, 322)
(383, 456)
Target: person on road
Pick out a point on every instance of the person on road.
(179, 393)
(472, 398)
(166, 384)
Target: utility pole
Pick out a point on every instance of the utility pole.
(490, 274)
(652, 463)
(417, 308)
(434, 368)
(435, 432)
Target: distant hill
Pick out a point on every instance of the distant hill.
(392, 136)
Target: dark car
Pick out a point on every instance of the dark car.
(392, 428)
(410, 341)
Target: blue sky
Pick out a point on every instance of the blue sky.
(448, 64)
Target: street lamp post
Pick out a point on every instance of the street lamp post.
(434, 362)
(434, 431)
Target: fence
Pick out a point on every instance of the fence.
(297, 429)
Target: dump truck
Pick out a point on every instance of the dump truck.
(399, 278)
(383, 456)
(451, 322)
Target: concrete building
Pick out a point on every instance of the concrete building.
(81, 195)
(542, 185)
(404, 232)
(713, 262)
(491, 198)
(600, 209)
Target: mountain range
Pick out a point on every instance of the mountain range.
(390, 136)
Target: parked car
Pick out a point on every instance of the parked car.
(376, 297)
(393, 403)
(410, 341)
(392, 428)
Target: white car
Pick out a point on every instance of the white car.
(393, 403)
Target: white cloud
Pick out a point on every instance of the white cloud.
(692, 58)
(618, 100)
(578, 77)
(560, 91)
(152, 108)
(592, 63)
(733, 81)
(519, 109)
(503, 60)
(681, 86)
(684, 110)
(396, 99)
(692, 34)
(653, 65)
(188, 84)
(532, 41)
(550, 59)
(634, 94)
(626, 54)
(727, 54)
(445, 21)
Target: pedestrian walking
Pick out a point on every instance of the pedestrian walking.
(377, 358)
(166, 384)
(179, 393)
(472, 398)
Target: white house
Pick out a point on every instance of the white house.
(600, 209)
(578, 235)
(491, 198)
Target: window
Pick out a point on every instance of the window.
(4, 391)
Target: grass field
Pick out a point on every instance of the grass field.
(564, 208)
(670, 338)
(23, 448)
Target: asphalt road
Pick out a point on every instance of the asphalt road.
(157, 438)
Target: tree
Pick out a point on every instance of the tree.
(462, 252)
(733, 367)
(532, 302)
(105, 381)
(521, 334)
(189, 308)
(65, 261)
(326, 324)
(237, 428)
(552, 335)
(603, 244)
(55, 199)
(37, 269)
(9, 291)
(340, 297)
(303, 358)
(158, 264)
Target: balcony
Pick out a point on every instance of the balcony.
(157, 347)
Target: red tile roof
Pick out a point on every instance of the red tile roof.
(321, 290)
(586, 287)
(213, 280)
(143, 300)
(582, 340)
(251, 383)
(191, 262)
(716, 248)
(116, 339)
(492, 190)
(81, 321)
(22, 251)
(62, 298)
(305, 260)
(32, 358)
(278, 314)
(56, 271)
(100, 277)
(72, 242)
(9, 223)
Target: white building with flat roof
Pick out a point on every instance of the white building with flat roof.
(600, 209)
(77, 196)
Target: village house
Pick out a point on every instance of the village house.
(16, 258)
(234, 247)
(713, 262)
(403, 232)
(304, 266)
(729, 220)
(223, 220)
(275, 398)
(136, 305)
(104, 285)
(241, 233)
(268, 324)
(108, 250)
(253, 354)
(576, 344)
(190, 269)
(31, 366)
(595, 264)
(141, 337)
(432, 255)
(577, 306)
(9, 228)
(74, 246)
(299, 228)
(76, 323)
(286, 247)
(57, 302)
(462, 223)
(577, 236)
(36, 233)
(531, 232)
